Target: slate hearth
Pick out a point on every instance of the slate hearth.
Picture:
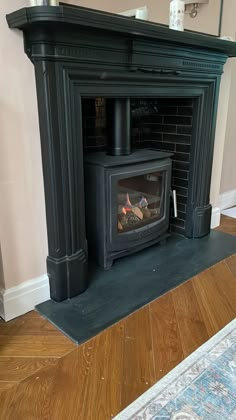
(80, 53)
(134, 281)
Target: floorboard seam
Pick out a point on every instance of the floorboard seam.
(152, 341)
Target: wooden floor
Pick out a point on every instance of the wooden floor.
(227, 225)
(43, 375)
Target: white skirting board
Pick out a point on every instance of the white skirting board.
(18, 300)
(227, 199)
(215, 217)
(230, 212)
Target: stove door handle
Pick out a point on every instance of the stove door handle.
(173, 195)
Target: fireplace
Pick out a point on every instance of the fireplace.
(80, 54)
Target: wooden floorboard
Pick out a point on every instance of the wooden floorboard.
(4, 385)
(189, 318)
(43, 375)
(29, 324)
(19, 368)
(215, 289)
(231, 262)
(85, 384)
(167, 346)
(28, 344)
(227, 225)
(138, 366)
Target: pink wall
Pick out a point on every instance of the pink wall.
(22, 213)
(206, 21)
(228, 179)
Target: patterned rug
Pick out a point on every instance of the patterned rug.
(203, 386)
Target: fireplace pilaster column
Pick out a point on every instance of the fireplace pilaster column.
(63, 171)
(202, 158)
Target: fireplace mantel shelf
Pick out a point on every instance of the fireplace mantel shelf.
(94, 19)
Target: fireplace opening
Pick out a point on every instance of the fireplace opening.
(158, 133)
(162, 124)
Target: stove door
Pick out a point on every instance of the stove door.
(139, 203)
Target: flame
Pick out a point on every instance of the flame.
(126, 209)
(128, 203)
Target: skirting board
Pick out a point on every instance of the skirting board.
(227, 199)
(18, 300)
(215, 217)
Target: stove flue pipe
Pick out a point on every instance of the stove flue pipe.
(119, 139)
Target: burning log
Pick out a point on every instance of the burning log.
(119, 226)
(137, 212)
(146, 213)
(132, 218)
(155, 211)
(123, 220)
(130, 215)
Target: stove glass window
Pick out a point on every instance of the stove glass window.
(140, 201)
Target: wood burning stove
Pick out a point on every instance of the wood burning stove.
(127, 194)
(127, 202)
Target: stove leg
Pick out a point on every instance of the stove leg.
(107, 264)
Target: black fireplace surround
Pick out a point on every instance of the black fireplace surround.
(80, 53)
